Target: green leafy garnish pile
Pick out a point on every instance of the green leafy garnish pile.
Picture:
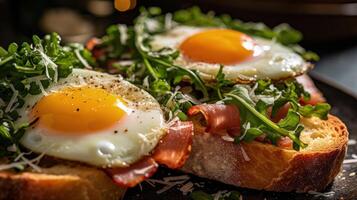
(28, 69)
(178, 88)
(254, 104)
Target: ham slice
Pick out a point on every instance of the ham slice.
(175, 147)
(316, 96)
(172, 151)
(135, 173)
(220, 118)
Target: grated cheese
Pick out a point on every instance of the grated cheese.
(351, 142)
(188, 187)
(192, 99)
(123, 33)
(12, 100)
(319, 194)
(146, 82)
(12, 148)
(245, 155)
(14, 107)
(150, 183)
(176, 178)
(227, 138)
(80, 58)
(220, 194)
(49, 63)
(167, 187)
(168, 182)
(168, 21)
(24, 162)
(350, 161)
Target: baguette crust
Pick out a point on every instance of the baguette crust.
(68, 182)
(266, 167)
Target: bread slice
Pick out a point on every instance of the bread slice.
(250, 165)
(58, 182)
(266, 167)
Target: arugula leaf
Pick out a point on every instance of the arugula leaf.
(321, 110)
(254, 116)
(221, 82)
(291, 121)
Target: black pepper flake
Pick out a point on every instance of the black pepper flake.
(126, 130)
(115, 131)
(77, 109)
(34, 121)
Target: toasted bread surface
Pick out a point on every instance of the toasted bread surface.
(58, 182)
(263, 166)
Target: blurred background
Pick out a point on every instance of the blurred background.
(329, 26)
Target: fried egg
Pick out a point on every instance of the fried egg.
(95, 118)
(245, 58)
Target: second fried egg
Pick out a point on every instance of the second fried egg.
(245, 59)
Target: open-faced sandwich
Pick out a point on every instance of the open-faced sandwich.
(207, 95)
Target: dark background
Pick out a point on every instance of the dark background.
(329, 26)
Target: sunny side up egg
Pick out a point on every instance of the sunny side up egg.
(95, 118)
(244, 58)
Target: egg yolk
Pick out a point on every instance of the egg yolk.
(79, 110)
(219, 46)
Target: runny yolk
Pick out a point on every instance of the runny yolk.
(219, 46)
(76, 111)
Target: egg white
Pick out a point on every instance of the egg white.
(270, 60)
(133, 137)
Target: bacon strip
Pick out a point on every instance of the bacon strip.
(134, 174)
(220, 119)
(175, 147)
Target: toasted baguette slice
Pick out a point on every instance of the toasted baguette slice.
(266, 167)
(58, 182)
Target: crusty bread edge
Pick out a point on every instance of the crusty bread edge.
(269, 167)
(59, 182)
(314, 170)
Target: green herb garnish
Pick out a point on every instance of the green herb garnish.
(28, 69)
(178, 88)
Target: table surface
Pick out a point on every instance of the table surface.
(339, 66)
